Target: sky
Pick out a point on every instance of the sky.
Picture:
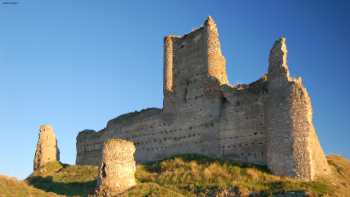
(77, 64)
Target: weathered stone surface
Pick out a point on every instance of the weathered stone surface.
(216, 61)
(46, 148)
(117, 169)
(292, 144)
(278, 66)
(267, 122)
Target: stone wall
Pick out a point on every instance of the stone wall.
(89, 147)
(242, 123)
(266, 122)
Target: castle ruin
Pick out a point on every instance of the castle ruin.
(267, 122)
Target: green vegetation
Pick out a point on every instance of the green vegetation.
(185, 175)
(193, 175)
(65, 179)
(151, 190)
(10, 187)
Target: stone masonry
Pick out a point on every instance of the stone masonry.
(117, 169)
(267, 122)
(46, 148)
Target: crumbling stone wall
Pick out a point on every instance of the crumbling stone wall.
(266, 122)
(292, 145)
(216, 61)
(117, 168)
(89, 147)
(242, 123)
(46, 148)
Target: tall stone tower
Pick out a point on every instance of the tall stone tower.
(293, 147)
(194, 70)
(193, 67)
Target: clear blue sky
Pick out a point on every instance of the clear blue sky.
(77, 64)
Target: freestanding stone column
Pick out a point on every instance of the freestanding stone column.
(46, 148)
(117, 169)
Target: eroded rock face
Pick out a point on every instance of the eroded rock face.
(117, 169)
(46, 148)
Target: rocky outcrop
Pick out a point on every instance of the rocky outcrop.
(117, 169)
(46, 148)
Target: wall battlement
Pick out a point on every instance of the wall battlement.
(267, 122)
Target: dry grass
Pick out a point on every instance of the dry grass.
(65, 179)
(194, 175)
(184, 175)
(150, 190)
(340, 181)
(11, 187)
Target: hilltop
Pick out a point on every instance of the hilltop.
(184, 175)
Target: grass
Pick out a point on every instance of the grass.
(151, 190)
(340, 181)
(65, 179)
(11, 187)
(194, 175)
(191, 175)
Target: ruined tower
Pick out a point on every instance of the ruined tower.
(193, 66)
(117, 168)
(293, 148)
(267, 122)
(46, 148)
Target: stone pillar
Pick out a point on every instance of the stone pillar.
(168, 64)
(117, 169)
(46, 148)
(168, 75)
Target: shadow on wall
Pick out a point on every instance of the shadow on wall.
(70, 189)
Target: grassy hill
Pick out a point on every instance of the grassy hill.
(65, 179)
(190, 175)
(11, 187)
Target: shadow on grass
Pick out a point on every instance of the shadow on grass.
(201, 159)
(69, 189)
